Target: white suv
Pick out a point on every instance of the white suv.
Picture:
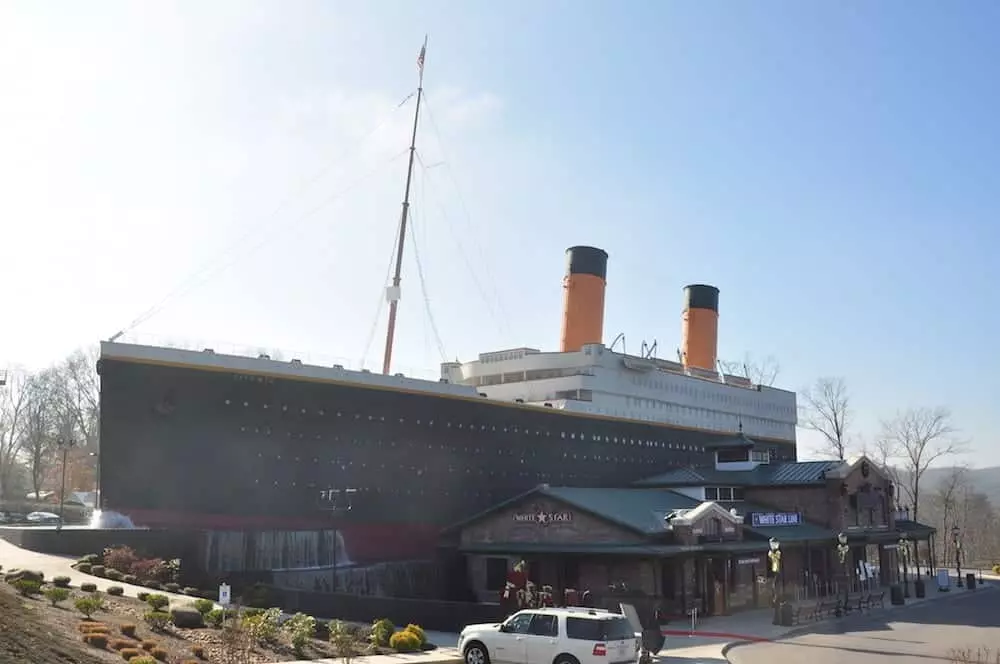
(552, 636)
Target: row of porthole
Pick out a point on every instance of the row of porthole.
(345, 464)
(377, 489)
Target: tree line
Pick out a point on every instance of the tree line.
(907, 446)
(43, 413)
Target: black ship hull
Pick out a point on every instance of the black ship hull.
(194, 447)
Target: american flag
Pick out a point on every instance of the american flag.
(420, 58)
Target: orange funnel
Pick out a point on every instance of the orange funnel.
(700, 326)
(583, 301)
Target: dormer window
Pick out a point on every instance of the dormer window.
(724, 493)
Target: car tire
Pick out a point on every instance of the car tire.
(566, 659)
(476, 653)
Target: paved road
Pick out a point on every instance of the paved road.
(924, 633)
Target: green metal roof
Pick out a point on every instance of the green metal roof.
(519, 548)
(637, 509)
(790, 474)
(804, 532)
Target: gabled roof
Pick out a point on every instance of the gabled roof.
(795, 473)
(740, 440)
(640, 510)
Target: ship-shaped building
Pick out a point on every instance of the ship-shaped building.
(200, 439)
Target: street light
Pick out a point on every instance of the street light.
(774, 556)
(64, 444)
(903, 547)
(955, 532)
(842, 550)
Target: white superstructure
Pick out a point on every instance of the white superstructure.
(599, 381)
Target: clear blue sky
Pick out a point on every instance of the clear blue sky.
(832, 167)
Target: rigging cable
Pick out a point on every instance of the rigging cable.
(192, 281)
(502, 318)
(423, 289)
(381, 296)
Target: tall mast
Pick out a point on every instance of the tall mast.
(392, 292)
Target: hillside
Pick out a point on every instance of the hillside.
(983, 480)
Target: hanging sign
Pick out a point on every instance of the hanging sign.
(543, 518)
(759, 519)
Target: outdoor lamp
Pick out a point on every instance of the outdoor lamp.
(842, 548)
(774, 555)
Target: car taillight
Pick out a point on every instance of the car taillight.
(600, 650)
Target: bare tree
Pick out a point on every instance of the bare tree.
(13, 400)
(944, 503)
(79, 391)
(764, 372)
(40, 416)
(827, 410)
(918, 438)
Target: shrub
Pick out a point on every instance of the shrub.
(114, 575)
(153, 585)
(91, 627)
(130, 578)
(203, 606)
(90, 559)
(252, 611)
(405, 641)
(128, 629)
(154, 570)
(88, 587)
(142, 659)
(172, 587)
(96, 639)
(149, 644)
(157, 620)
(262, 627)
(157, 602)
(88, 606)
(27, 587)
(159, 654)
(381, 631)
(186, 617)
(98, 570)
(120, 644)
(190, 661)
(143, 596)
(128, 653)
(198, 651)
(344, 641)
(115, 591)
(120, 558)
(300, 629)
(996, 569)
(56, 595)
(84, 567)
(214, 618)
(16, 575)
(61, 581)
(419, 631)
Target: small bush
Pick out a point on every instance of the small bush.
(157, 602)
(56, 595)
(88, 587)
(149, 644)
(61, 581)
(27, 587)
(128, 629)
(381, 631)
(98, 570)
(153, 585)
(14, 576)
(88, 606)
(159, 654)
(193, 592)
(84, 567)
(114, 575)
(198, 651)
(115, 591)
(300, 629)
(214, 618)
(419, 631)
(157, 620)
(96, 639)
(405, 641)
(171, 587)
(142, 596)
(203, 606)
(121, 644)
(190, 661)
(996, 569)
(186, 617)
(142, 659)
(128, 653)
(91, 627)
(120, 558)
(90, 559)
(130, 578)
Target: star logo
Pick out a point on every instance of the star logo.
(542, 517)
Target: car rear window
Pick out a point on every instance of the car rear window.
(601, 629)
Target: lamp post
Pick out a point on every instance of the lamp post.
(64, 444)
(842, 550)
(903, 547)
(955, 532)
(774, 556)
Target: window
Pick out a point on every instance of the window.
(725, 493)
(544, 625)
(608, 629)
(518, 623)
(739, 493)
(711, 493)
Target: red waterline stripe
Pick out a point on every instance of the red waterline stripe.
(715, 635)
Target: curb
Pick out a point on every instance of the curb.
(735, 644)
(742, 638)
